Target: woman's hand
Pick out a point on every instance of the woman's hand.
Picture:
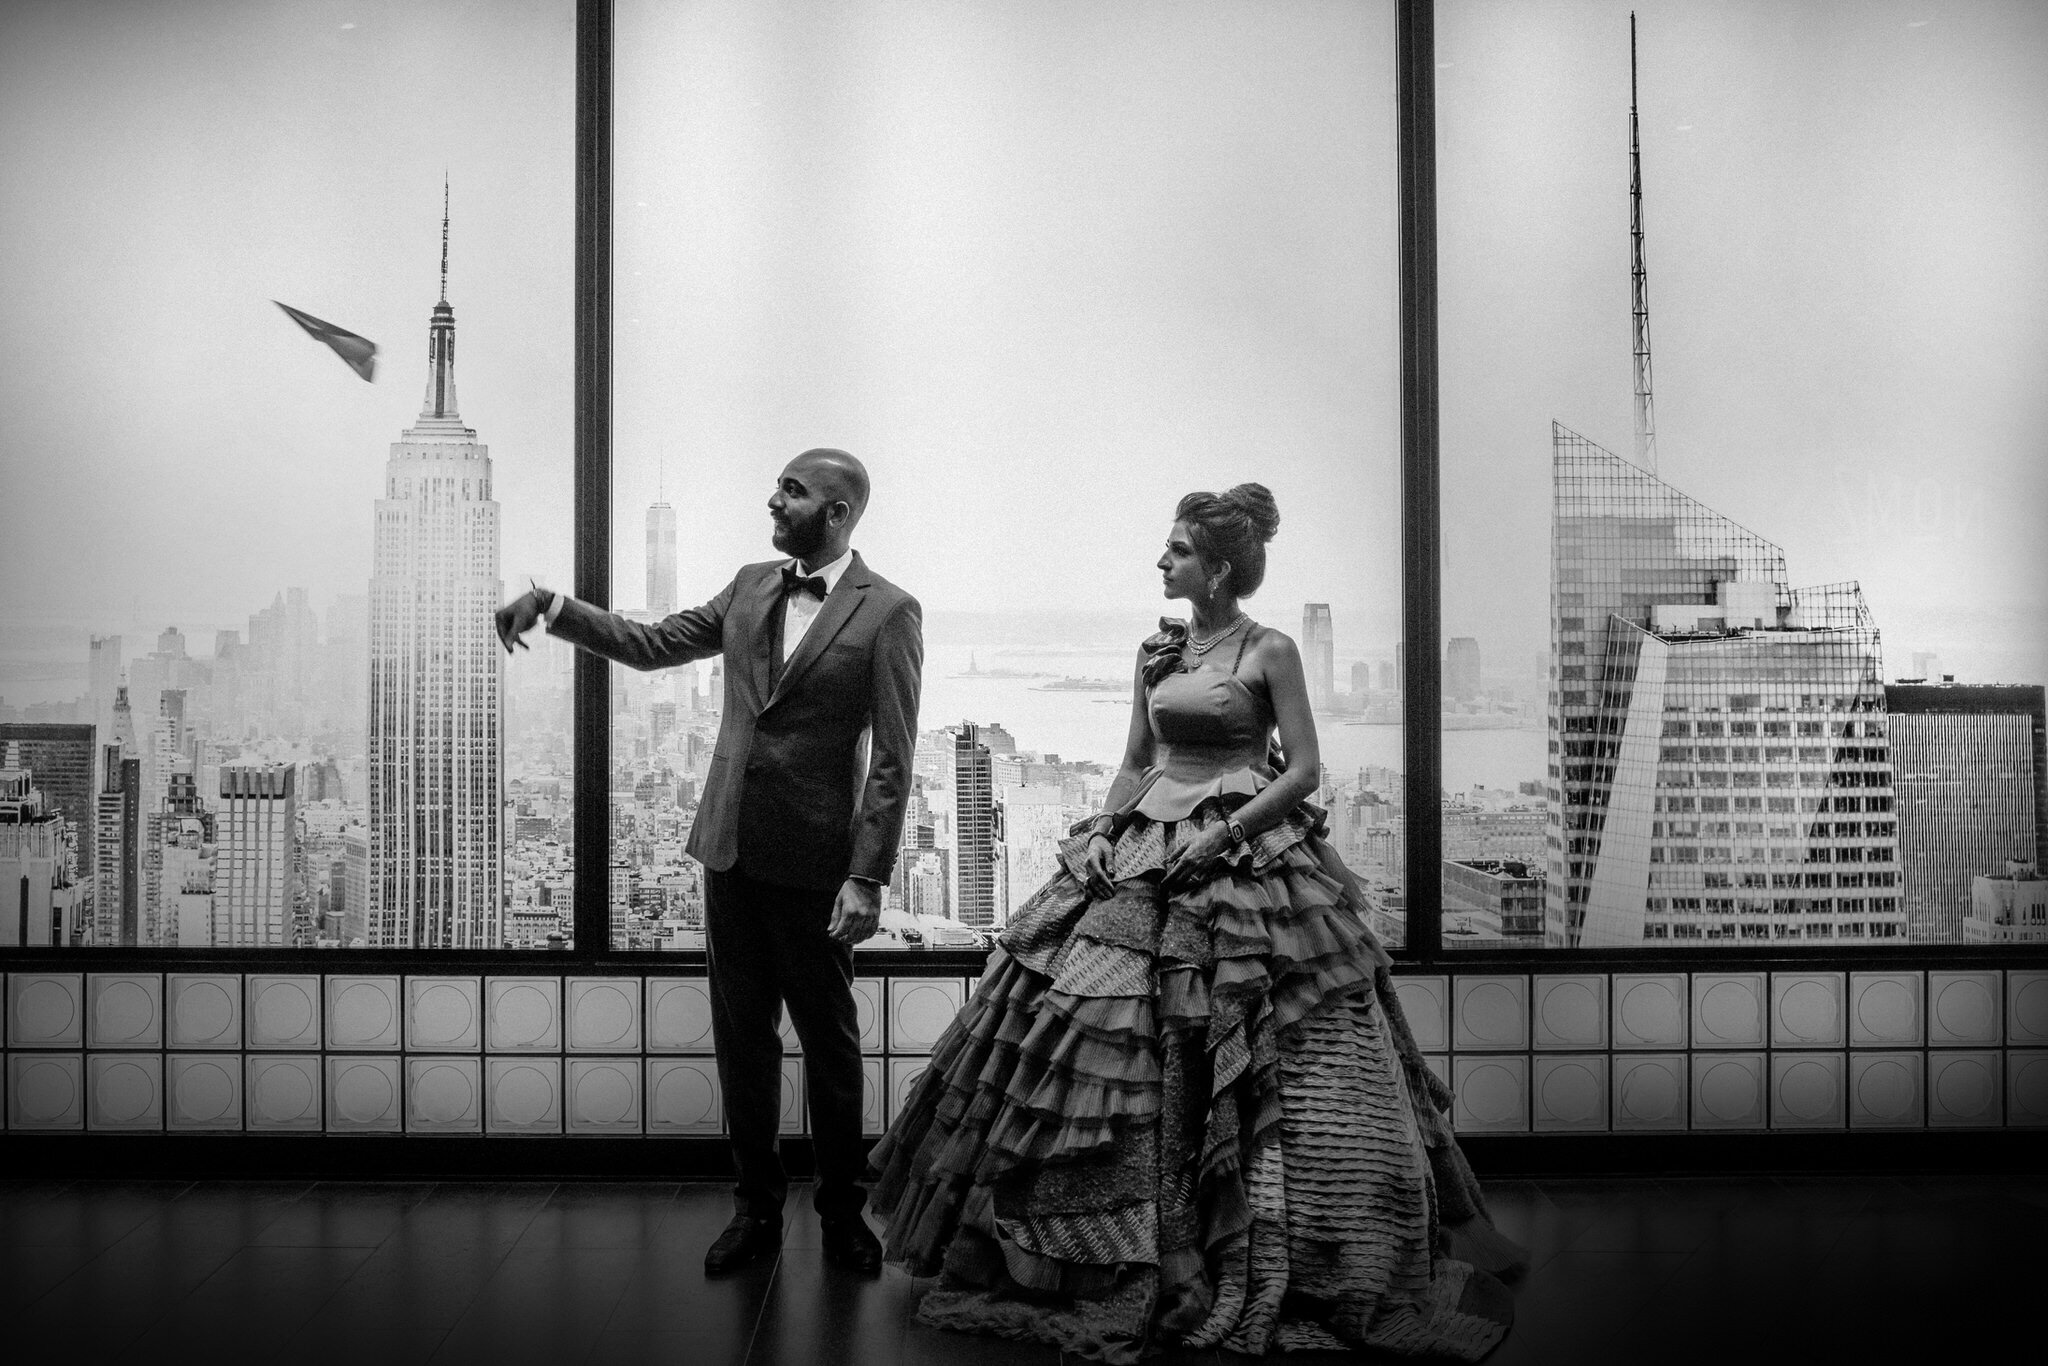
(1096, 864)
(1195, 859)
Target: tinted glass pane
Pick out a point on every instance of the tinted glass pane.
(1755, 632)
(248, 688)
(1045, 269)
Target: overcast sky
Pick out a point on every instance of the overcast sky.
(1045, 266)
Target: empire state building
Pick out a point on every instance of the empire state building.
(436, 750)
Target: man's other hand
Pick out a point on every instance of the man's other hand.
(857, 912)
(515, 619)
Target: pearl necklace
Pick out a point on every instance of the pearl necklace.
(1202, 647)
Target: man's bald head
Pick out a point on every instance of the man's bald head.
(817, 503)
(836, 475)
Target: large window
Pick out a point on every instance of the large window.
(249, 696)
(1743, 649)
(1045, 268)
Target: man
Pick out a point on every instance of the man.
(797, 828)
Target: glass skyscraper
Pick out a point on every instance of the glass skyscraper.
(1719, 768)
(436, 751)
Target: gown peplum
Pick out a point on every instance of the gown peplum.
(1192, 1117)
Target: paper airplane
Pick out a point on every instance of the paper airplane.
(360, 353)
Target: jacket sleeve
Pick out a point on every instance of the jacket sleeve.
(694, 633)
(898, 675)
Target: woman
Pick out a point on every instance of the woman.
(1182, 1107)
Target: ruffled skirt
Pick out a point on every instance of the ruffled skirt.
(1194, 1119)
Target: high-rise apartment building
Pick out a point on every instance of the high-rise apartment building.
(117, 850)
(63, 758)
(661, 560)
(1720, 767)
(1461, 670)
(177, 867)
(436, 750)
(1972, 791)
(103, 676)
(1319, 654)
(2009, 907)
(256, 858)
(39, 901)
(1035, 820)
(974, 829)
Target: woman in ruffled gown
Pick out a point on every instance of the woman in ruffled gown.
(1182, 1107)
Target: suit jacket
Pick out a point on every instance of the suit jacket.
(811, 774)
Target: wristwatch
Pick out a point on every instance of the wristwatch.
(1236, 829)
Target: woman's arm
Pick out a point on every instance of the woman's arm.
(1138, 751)
(1274, 664)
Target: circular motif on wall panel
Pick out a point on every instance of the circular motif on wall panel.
(603, 1015)
(204, 1012)
(1492, 1014)
(125, 1011)
(44, 1010)
(863, 1013)
(1571, 1093)
(1419, 1004)
(205, 1091)
(1649, 1092)
(1885, 1090)
(2030, 1008)
(362, 1013)
(1964, 1088)
(684, 1096)
(1964, 1010)
(1649, 1012)
(442, 1014)
(1885, 1009)
(443, 1093)
(362, 1092)
(524, 1095)
(283, 1093)
(283, 1011)
(1491, 1094)
(603, 1095)
(923, 1012)
(1728, 1091)
(2030, 1088)
(1807, 1090)
(522, 1014)
(1571, 1012)
(1807, 1010)
(682, 1016)
(1728, 1012)
(45, 1091)
(126, 1092)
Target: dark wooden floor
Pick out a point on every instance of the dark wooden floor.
(1738, 1270)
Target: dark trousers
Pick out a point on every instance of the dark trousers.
(767, 946)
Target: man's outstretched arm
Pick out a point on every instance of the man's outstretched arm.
(694, 633)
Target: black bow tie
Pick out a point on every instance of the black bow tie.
(793, 582)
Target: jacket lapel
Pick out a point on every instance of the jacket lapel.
(838, 609)
(767, 603)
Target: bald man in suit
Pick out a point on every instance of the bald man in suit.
(797, 829)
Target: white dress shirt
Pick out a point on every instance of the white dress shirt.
(799, 610)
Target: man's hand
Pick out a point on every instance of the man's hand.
(857, 913)
(515, 619)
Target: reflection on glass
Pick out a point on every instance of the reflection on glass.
(325, 746)
(1729, 761)
(1044, 269)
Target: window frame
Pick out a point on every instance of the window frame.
(592, 952)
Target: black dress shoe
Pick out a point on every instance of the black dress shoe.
(850, 1243)
(744, 1242)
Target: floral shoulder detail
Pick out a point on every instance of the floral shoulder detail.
(1164, 648)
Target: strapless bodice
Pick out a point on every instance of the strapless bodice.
(1209, 734)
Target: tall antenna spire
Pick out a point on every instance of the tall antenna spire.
(444, 233)
(1646, 426)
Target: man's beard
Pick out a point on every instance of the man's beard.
(804, 539)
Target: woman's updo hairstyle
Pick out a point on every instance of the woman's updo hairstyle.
(1233, 526)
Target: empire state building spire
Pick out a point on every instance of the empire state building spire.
(439, 408)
